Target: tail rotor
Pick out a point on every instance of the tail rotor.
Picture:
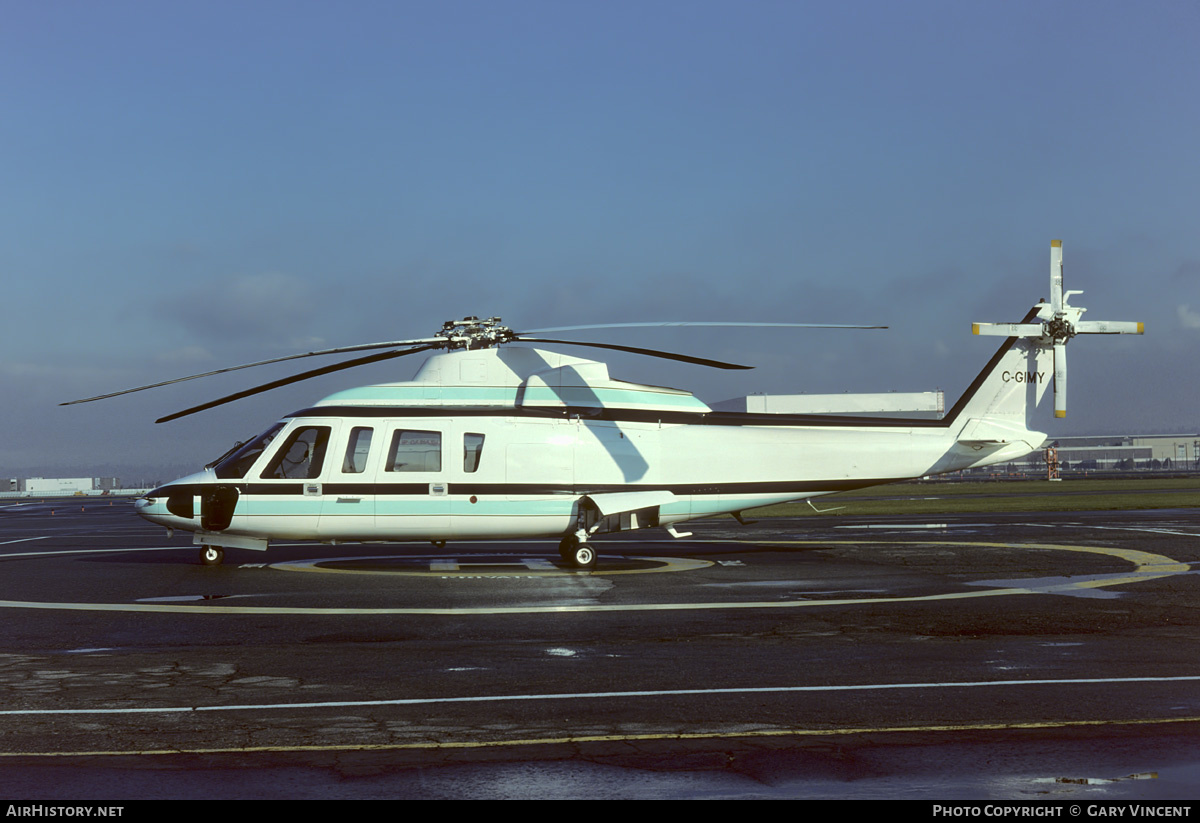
(1058, 322)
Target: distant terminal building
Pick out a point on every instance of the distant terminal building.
(1176, 452)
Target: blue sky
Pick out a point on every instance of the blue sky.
(192, 185)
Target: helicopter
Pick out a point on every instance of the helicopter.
(491, 440)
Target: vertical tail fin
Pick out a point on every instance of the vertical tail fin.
(1014, 381)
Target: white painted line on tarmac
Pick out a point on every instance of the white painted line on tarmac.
(92, 551)
(26, 539)
(502, 698)
(1152, 531)
(899, 526)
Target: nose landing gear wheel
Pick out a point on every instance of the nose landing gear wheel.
(211, 555)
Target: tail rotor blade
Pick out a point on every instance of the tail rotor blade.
(1109, 327)
(1056, 277)
(1008, 329)
(1060, 379)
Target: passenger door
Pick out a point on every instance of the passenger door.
(348, 499)
(412, 501)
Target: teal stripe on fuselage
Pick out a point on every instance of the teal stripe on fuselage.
(412, 506)
(422, 506)
(257, 506)
(461, 507)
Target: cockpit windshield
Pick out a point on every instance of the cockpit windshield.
(239, 462)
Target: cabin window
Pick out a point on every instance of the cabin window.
(237, 464)
(302, 456)
(357, 450)
(472, 451)
(415, 451)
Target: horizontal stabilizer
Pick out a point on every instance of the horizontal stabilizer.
(985, 432)
(987, 441)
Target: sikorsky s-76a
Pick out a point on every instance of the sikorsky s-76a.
(492, 439)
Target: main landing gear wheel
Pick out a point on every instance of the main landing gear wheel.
(211, 555)
(579, 555)
(584, 557)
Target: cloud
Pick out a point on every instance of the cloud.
(1188, 270)
(37, 371)
(1188, 318)
(258, 307)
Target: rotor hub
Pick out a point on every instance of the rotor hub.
(1060, 330)
(472, 333)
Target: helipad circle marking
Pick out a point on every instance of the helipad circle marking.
(477, 569)
(1147, 566)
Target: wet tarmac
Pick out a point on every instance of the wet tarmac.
(1025, 657)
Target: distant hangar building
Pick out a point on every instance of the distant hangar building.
(63, 485)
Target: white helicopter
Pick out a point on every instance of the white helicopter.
(496, 441)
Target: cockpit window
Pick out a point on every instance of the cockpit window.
(301, 456)
(236, 465)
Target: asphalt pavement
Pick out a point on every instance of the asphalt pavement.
(1035, 657)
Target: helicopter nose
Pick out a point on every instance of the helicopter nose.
(150, 508)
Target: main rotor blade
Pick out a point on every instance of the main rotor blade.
(296, 378)
(338, 350)
(711, 324)
(666, 355)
